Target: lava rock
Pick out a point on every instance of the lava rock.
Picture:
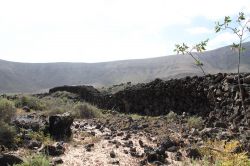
(54, 150)
(9, 159)
(141, 143)
(112, 154)
(26, 109)
(88, 147)
(57, 160)
(59, 126)
(33, 144)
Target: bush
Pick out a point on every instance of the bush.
(222, 153)
(38, 160)
(171, 116)
(7, 134)
(57, 105)
(31, 102)
(40, 136)
(55, 111)
(7, 110)
(195, 122)
(86, 111)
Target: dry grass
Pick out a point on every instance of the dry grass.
(195, 122)
(86, 111)
(223, 153)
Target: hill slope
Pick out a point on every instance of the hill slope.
(32, 77)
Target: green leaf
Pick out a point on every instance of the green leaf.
(201, 46)
(227, 19)
(198, 63)
(217, 27)
(241, 16)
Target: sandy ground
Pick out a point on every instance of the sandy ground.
(77, 155)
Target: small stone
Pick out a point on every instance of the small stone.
(54, 150)
(34, 144)
(57, 160)
(26, 109)
(172, 149)
(125, 151)
(120, 134)
(127, 137)
(112, 154)
(133, 149)
(178, 156)
(89, 147)
(141, 143)
(98, 126)
(115, 162)
(77, 126)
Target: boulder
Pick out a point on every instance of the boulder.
(59, 126)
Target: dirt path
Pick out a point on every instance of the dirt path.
(126, 147)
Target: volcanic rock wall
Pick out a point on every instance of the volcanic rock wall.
(216, 96)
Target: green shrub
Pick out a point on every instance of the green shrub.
(7, 110)
(56, 105)
(40, 136)
(171, 116)
(7, 134)
(55, 111)
(30, 101)
(86, 111)
(38, 160)
(195, 122)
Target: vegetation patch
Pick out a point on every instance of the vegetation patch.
(37, 160)
(7, 134)
(171, 117)
(224, 153)
(30, 101)
(40, 136)
(195, 122)
(7, 110)
(86, 111)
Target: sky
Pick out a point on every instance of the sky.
(108, 30)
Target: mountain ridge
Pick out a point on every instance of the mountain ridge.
(33, 77)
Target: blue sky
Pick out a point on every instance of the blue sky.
(108, 30)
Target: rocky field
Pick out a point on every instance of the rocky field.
(188, 121)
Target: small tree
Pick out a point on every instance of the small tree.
(240, 27)
(184, 49)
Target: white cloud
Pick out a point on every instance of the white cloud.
(98, 30)
(199, 30)
(222, 39)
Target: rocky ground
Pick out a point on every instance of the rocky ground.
(213, 119)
